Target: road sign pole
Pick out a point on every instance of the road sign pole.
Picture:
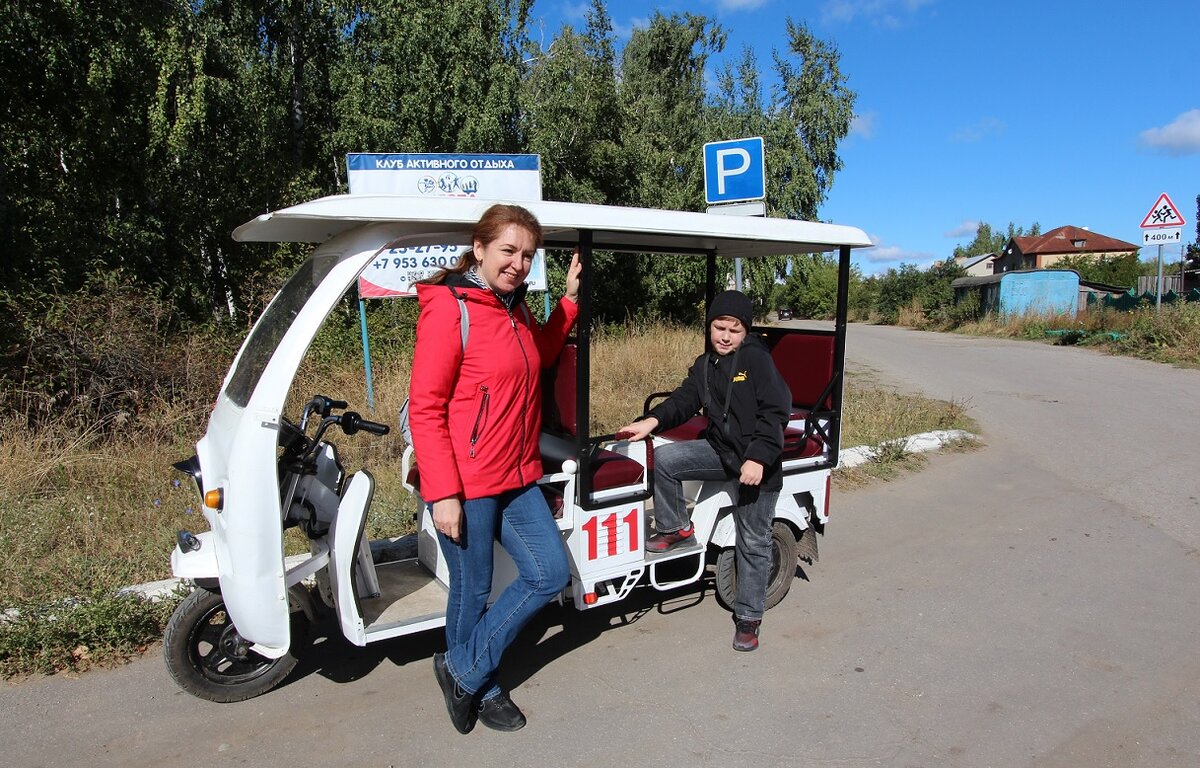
(1158, 293)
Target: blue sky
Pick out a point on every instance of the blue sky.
(1056, 112)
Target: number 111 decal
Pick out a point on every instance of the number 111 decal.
(610, 524)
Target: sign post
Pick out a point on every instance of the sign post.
(735, 181)
(1163, 224)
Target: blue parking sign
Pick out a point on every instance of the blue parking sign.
(734, 171)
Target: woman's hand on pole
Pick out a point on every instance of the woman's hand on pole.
(573, 272)
(447, 517)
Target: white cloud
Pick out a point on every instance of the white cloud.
(888, 13)
(979, 130)
(968, 227)
(740, 5)
(1181, 136)
(863, 125)
(881, 258)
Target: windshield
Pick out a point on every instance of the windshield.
(275, 323)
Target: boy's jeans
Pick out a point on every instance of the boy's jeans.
(476, 636)
(696, 460)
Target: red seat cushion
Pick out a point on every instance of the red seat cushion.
(795, 446)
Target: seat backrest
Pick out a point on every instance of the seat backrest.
(564, 389)
(806, 363)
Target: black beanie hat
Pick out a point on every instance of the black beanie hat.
(732, 304)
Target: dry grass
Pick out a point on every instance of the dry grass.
(87, 509)
(629, 364)
(1167, 335)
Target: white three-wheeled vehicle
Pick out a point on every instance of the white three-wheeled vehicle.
(260, 473)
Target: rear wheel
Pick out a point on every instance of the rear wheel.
(210, 659)
(783, 568)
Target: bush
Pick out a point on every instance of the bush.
(103, 355)
(923, 294)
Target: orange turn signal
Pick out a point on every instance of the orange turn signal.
(215, 499)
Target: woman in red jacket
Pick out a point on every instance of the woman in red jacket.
(475, 412)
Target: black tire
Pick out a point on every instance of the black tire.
(210, 660)
(783, 568)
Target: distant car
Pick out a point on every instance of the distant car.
(785, 313)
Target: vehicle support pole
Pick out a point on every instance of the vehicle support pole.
(839, 340)
(362, 323)
(583, 372)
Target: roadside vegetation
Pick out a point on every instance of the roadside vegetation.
(89, 502)
(923, 299)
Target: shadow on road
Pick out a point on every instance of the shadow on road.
(553, 633)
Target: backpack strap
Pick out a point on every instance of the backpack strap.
(465, 324)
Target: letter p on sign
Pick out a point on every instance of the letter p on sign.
(734, 171)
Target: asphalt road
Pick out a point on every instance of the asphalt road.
(1034, 603)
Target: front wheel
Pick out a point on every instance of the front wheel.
(210, 659)
(783, 568)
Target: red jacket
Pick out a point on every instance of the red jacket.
(476, 414)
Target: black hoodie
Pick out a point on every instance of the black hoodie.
(750, 425)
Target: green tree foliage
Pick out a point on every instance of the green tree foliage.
(140, 134)
(810, 114)
(431, 77)
(811, 288)
(907, 286)
(988, 240)
(569, 100)
(1116, 270)
(238, 124)
(73, 186)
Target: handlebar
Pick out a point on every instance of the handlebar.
(353, 422)
(322, 405)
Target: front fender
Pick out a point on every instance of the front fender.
(199, 563)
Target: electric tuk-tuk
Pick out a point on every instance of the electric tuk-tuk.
(259, 472)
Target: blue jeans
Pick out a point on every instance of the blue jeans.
(696, 460)
(476, 635)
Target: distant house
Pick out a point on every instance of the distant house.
(977, 266)
(1043, 251)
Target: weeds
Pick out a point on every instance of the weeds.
(1170, 334)
(100, 630)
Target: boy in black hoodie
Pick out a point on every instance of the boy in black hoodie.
(748, 405)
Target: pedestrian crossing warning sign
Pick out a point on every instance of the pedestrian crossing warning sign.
(1163, 214)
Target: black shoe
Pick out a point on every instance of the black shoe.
(500, 714)
(459, 703)
(745, 635)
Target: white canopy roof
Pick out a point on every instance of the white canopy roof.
(449, 221)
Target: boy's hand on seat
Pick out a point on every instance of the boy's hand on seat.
(638, 430)
(752, 472)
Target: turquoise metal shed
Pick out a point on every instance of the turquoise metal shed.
(1025, 292)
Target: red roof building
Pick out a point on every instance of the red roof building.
(1043, 251)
